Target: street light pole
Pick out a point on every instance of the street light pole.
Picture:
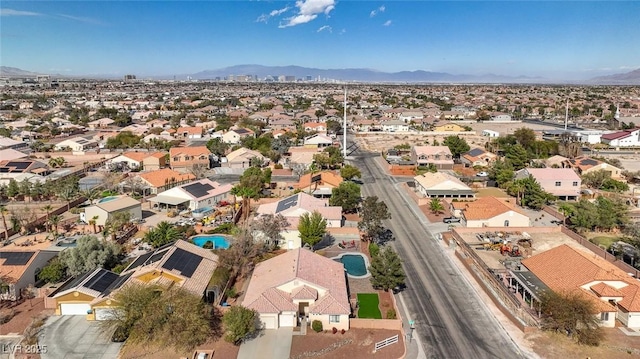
(411, 327)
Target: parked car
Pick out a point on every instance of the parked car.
(482, 174)
(451, 220)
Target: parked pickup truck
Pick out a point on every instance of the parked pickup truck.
(451, 220)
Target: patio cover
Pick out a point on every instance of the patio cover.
(174, 201)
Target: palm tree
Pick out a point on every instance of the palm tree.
(517, 187)
(566, 210)
(247, 193)
(47, 209)
(435, 206)
(116, 223)
(93, 221)
(164, 233)
(54, 221)
(91, 194)
(3, 211)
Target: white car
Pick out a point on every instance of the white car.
(482, 174)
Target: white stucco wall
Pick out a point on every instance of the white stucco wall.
(515, 220)
(343, 324)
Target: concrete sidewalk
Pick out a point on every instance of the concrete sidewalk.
(411, 340)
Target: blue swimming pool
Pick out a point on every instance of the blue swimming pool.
(219, 242)
(355, 264)
(107, 199)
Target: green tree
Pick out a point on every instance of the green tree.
(124, 140)
(346, 195)
(160, 317)
(371, 216)
(162, 234)
(312, 228)
(525, 137)
(566, 210)
(90, 253)
(217, 147)
(54, 272)
(239, 323)
(116, 223)
(349, 172)
(435, 206)
(247, 193)
(386, 270)
(271, 227)
(517, 156)
(456, 145)
(532, 195)
(573, 314)
(595, 179)
(501, 172)
(13, 189)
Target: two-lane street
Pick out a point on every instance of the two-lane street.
(451, 322)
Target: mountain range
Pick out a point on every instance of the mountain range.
(356, 75)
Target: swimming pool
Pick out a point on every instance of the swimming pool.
(355, 264)
(219, 242)
(107, 199)
(201, 212)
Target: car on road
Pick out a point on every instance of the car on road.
(482, 174)
(451, 220)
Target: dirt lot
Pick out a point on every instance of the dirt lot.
(222, 350)
(617, 345)
(24, 313)
(361, 346)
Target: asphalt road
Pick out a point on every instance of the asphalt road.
(451, 322)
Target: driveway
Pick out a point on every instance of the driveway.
(73, 337)
(270, 343)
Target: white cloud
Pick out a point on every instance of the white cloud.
(325, 27)
(265, 17)
(11, 12)
(308, 10)
(87, 20)
(387, 23)
(343, 31)
(376, 11)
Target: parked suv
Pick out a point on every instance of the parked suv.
(451, 220)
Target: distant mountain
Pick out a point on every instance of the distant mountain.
(359, 75)
(6, 71)
(628, 78)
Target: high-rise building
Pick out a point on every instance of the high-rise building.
(129, 78)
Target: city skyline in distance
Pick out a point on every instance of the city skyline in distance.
(557, 41)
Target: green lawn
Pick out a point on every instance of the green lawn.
(369, 306)
(604, 241)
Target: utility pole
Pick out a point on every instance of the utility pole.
(344, 126)
(566, 116)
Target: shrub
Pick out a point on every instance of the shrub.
(277, 166)
(334, 330)
(342, 331)
(6, 315)
(374, 249)
(231, 292)
(316, 325)
(391, 314)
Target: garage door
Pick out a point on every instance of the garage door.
(269, 321)
(104, 313)
(287, 320)
(74, 309)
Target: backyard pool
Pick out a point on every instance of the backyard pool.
(107, 199)
(219, 242)
(355, 264)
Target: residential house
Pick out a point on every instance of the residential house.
(490, 133)
(365, 125)
(439, 156)
(293, 207)
(147, 161)
(394, 126)
(241, 158)
(188, 133)
(299, 286)
(319, 184)
(9, 154)
(77, 144)
(234, 136)
(180, 264)
(563, 183)
(556, 161)
(301, 155)
(163, 179)
(442, 185)
(490, 212)
(318, 140)
(6, 143)
(410, 116)
(614, 294)
(315, 127)
(100, 123)
(449, 127)
(501, 117)
(201, 194)
(478, 157)
(107, 207)
(626, 138)
(19, 267)
(182, 158)
(584, 165)
(282, 124)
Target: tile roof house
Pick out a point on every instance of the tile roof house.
(161, 180)
(234, 136)
(320, 184)
(614, 293)
(299, 284)
(490, 212)
(10, 154)
(585, 164)
(241, 158)
(440, 156)
(302, 155)
(19, 267)
(199, 194)
(315, 127)
(563, 183)
(441, 185)
(77, 144)
(318, 140)
(188, 133)
(177, 264)
(108, 206)
(147, 161)
(293, 207)
(181, 158)
(478, 157)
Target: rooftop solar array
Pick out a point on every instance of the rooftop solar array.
(198, 189)
(101, 280)
(287, 203)
(16, 258)
(117, 283)
(139, 261)
(156, 256)
(589, 162)
(476, 152)
(71, 283)
(316, 178)
(241, 131)
(184, 262)
(18, 165)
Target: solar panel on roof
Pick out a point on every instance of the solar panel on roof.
(16, 258)
(157, 255)
(589, 162)
(117, 283)
(101, 280)
(198, 189)
(316, 178)
(476, 152)
(18, 165)
(139, 261)
(184, 262)
(287, 203)
(70, 283)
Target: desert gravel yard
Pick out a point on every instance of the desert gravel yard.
(356, 343)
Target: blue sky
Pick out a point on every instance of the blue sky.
(556, 39)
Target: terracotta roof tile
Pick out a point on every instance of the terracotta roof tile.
(161, 177)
